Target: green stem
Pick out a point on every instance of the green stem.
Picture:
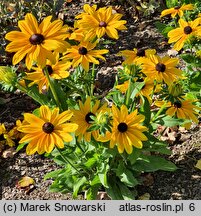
(34, 96)
(92, 80)
(66, 159)
(159, 112)
(128, 93)
(54, 93)
(79, 146)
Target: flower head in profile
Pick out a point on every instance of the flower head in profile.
(48, 130)
(37, 41)
(84, 53)
(83, 118)
(181, 108)
(100, 22)
(127, 130)
(178, 10)
(136, 55)
(10, 136)
(180, 35)
(161, 68)
(55, 71)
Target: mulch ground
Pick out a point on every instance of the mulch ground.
(185, 183)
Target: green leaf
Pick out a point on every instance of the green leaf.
(153, 163)
(53, 174)
(126, 193)
(91, 193)
(146, 111)
(113, 190)
(171, 3)
(163, 28)
(135, 88)
(155, 145)
(188, 58)
(102, 174)
(94, 187)
(134, 155)
(170, 122)
(77, 185)
(95, 181)
(126, 176)
(90, 162)
(21, 146)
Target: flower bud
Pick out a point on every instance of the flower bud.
(175, 89)
(7, 76)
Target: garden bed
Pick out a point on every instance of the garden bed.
(184, 183)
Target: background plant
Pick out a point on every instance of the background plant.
(92, 165)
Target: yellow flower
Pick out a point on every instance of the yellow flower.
(36, 42)
(177, 10)
(136, 55)
(183, 109)
(161, 69)
(83, 54)
(75, 33)
(198, 54)
(100, 22)
(127, 130)
(123, 87)
(47, 131)
(87, 11)
(181, 35)
(83, 118)
(56, 71)
(2, 129)
(146, 90)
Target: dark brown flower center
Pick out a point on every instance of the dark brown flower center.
(122, 127)
(177, 104)
(48, 127)
(70, 31)
(82, 51)
(102, 24)
(36, 39)
(188, 30)
(88, 118)
(160, 67)
(140, 52)
(140, 79)
(49, 69)
(177, 7)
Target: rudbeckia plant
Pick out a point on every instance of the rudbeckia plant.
(101, 141)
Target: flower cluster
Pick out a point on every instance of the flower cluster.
(101, 140)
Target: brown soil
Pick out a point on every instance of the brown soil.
(185, 183)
